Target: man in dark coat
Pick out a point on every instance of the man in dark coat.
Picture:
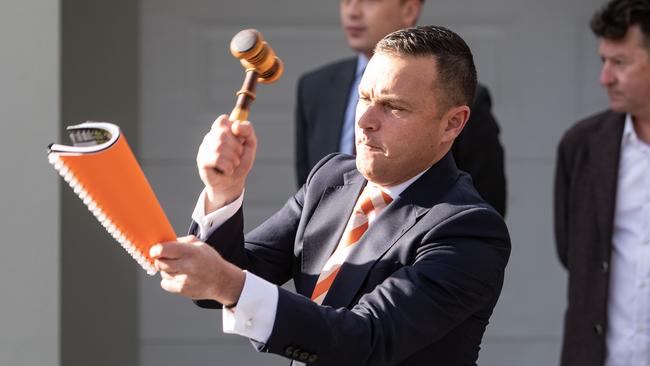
(602, 202)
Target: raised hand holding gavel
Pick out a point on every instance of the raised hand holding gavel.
(227, 152)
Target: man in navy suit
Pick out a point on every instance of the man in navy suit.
(327, 96)
(420, 282)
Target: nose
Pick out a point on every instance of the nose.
(606, 76)
(366, 117)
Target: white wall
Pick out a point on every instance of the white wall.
(29, 195)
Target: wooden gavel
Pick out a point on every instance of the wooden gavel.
(261, 65)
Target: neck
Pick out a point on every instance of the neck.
(407, 176)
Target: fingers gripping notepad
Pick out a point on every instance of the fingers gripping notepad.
(103, 172)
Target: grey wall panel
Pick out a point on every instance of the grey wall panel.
(529, 351)
(533, 296)
(248, 13)
(29, 200)
(177, 318)
(591, 96)
(227, 350)
(177, 185)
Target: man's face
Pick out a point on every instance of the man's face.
(626, 73)
(398, 129)
(366, 22)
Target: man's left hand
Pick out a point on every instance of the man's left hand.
(192, 268)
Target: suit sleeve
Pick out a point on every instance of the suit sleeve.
(451, 278)
(301, 161)
(271, 258)
(478, 151)
(561, 209)
(269, 248)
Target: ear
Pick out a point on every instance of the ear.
(410, 12)
(454, 121)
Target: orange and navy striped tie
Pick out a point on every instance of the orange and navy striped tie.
(371, 202)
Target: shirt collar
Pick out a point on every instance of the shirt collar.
(362, 62)
(629, 135)
(631, 138)
(396, 190)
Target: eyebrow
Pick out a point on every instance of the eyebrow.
(617, 55)
(389, 99)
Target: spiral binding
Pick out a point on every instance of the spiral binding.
(87, 199)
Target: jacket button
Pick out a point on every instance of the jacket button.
(296, 353)
(303, 356)
(605, 267)
(598, 329)
(312, 358)
(288, 351)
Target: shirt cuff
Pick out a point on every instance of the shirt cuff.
(254, 314)
(213, 220)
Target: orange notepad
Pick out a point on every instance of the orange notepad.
(103, 172)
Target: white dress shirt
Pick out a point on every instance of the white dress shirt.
(254, 315)
(628, 306)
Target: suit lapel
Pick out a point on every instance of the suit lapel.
(389, 227)
(335, 96)
(605, 147)
(327, 223)
(396, 219)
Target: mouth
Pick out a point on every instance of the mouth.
(615, 96)
(354, 31)
(370, 147)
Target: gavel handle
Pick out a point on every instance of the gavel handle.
(245, 96)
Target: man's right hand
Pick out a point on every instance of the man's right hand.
(224, 160)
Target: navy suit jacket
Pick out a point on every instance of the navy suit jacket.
(418, 289)
(320, 109)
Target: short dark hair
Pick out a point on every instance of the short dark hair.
(614, 18)
(454, 61)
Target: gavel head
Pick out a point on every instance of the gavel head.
(255, 54)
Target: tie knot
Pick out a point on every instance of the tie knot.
(373, 199)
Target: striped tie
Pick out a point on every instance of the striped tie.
(371, 202)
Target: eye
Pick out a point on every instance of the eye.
(617, 61)
(394, 108)
(363, 99)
